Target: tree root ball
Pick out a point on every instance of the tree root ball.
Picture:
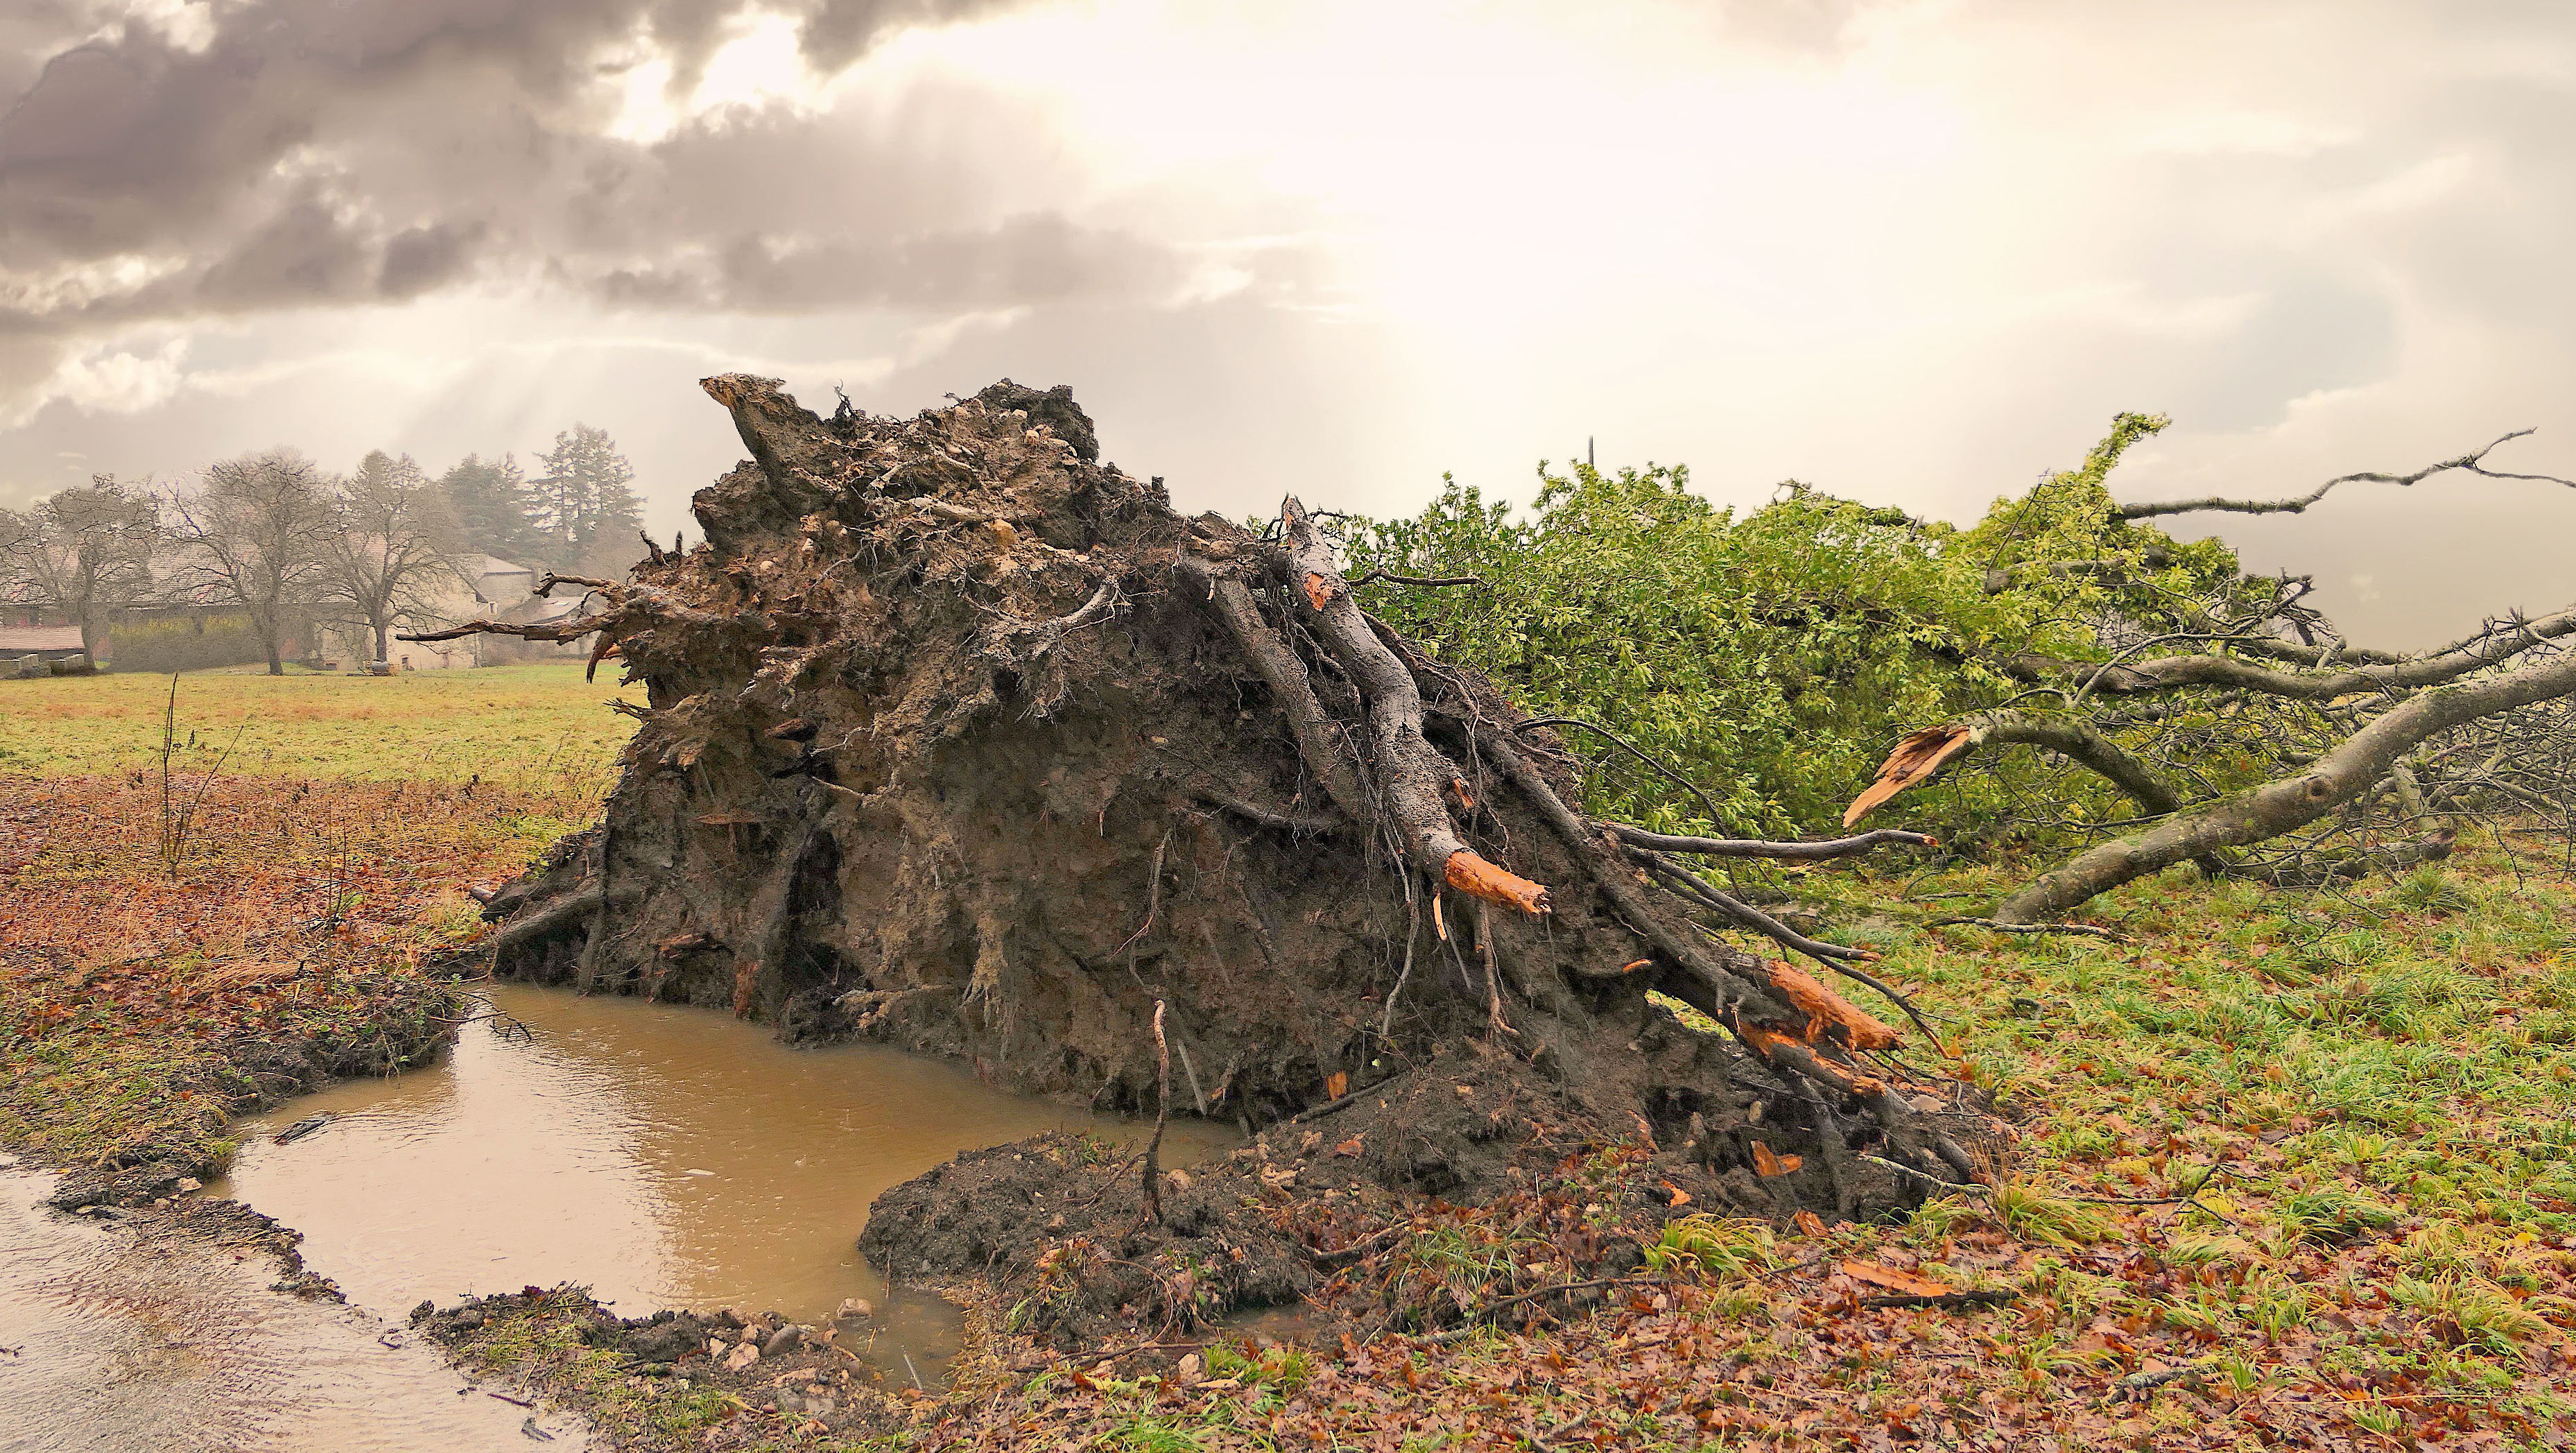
(959, 740)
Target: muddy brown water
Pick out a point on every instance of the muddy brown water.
(137, 1337)
(665, 1156)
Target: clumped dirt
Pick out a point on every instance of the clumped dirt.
(1056, 1229)
(708, 1364)
(961, 740)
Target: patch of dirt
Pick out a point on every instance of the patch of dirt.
(1056, 1228)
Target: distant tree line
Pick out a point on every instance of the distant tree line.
(275, 538)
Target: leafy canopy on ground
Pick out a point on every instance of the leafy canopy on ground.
(1774, 657)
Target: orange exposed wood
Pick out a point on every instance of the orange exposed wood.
(1472, 875)
(1915, 760)
(1459, 786)
(1319, 591)
(1808, 1062)
(1827, 1010)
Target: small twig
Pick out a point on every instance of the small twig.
(1485, 1313)
(1926, 1177)
(1412, 931)
(1991, 1297)
(1429, 582)
(1640, 753)
(1714, 847)
(505, 1397)
(1094, 1359)
(1162, 1115)
(2084, 930)
(1329, 1107)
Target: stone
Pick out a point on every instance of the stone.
(785, 1339)
(744, 1354)
(856, 1309)
(189, 1183)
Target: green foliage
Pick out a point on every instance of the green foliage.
(1720, 1248)
(2332, 1213)
(1774, 657)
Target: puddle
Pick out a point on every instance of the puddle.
(665, 1156)
(126, 1338)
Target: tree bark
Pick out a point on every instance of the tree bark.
(2291, 802)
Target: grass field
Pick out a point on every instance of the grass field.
(525, 726)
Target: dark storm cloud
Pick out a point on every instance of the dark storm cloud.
(1040, 259)
(332, 152)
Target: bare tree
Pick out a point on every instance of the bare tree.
(84, 552)
(391, 545)
(255, 532)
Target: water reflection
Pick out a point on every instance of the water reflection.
(137, 1335)
(668, 1157)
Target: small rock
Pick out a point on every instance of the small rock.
(423, 1312)
(1179, 1180)
(189, 1183)
(785, 1339)
(856, 1309)
(743, 1355)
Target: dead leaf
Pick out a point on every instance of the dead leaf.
(1904, 1282)
(1680, 1197)
(1810, 1225)
(1348, 1147)
(1767, 1164)
(1915, 760)
(1335, 1084)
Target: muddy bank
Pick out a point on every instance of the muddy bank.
(1321, 1210)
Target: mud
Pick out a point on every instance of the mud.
(1058, 1233)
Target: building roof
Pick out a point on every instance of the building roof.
(19, 640)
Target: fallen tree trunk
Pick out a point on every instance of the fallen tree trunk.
(2288, 803)
(958, 739)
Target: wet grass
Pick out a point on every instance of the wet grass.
(537, 727)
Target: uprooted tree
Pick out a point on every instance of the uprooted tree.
(1740, 674)
(956, 738)
(2247, 735)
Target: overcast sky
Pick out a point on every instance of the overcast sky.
(1910, 252)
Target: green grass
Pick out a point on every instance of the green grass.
(520, 726)
(2385, 1076)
